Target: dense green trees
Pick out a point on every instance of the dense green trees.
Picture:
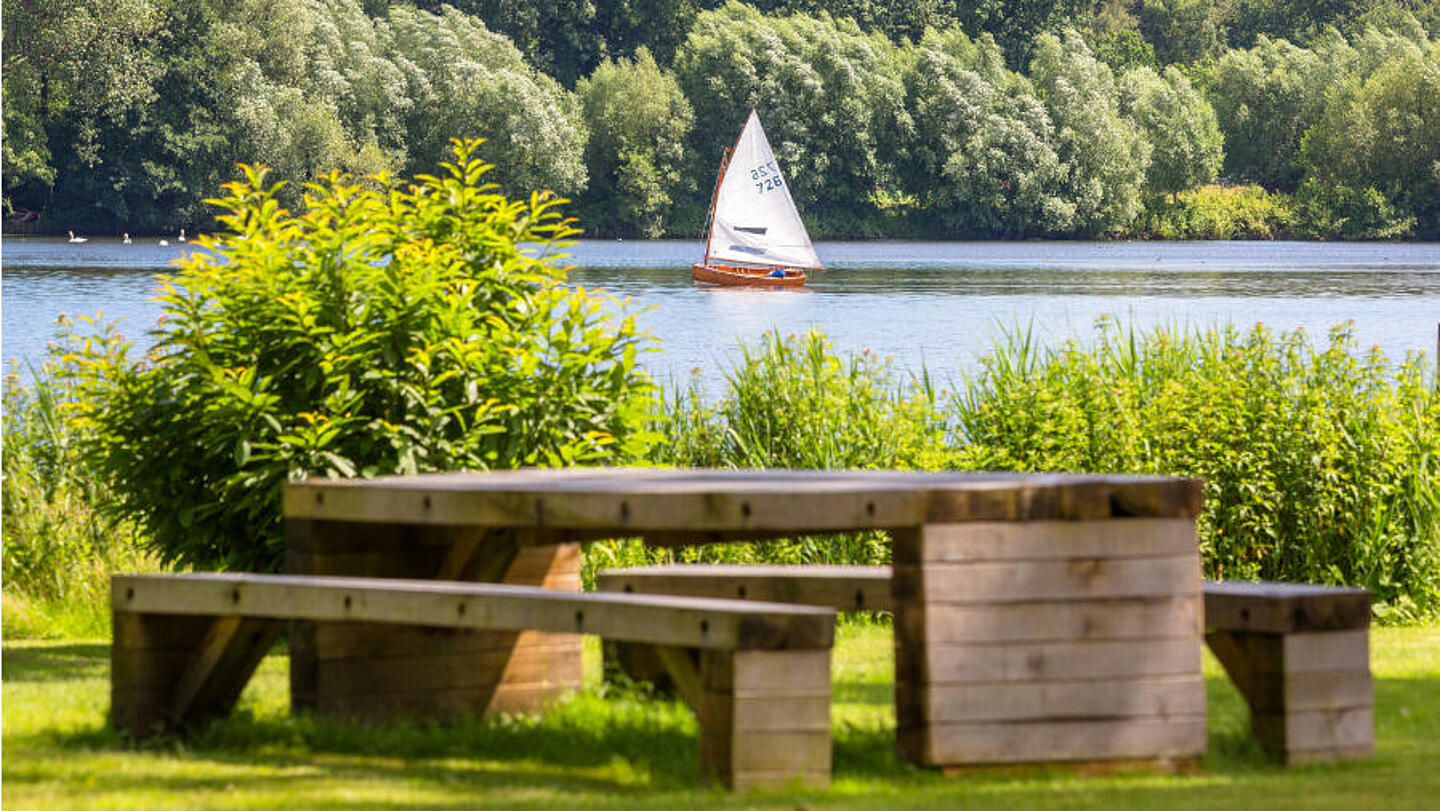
(981, 130)
(829, 93)
(639, 122)
(942, 118)
(1186, 145)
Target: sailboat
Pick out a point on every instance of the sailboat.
(754, 235)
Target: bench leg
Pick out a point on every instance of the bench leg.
(171, 672)
(1311, 696)
(765, 718)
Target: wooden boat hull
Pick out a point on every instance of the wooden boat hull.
(741, 276)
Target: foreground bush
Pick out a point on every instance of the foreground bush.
(389, 328)
(1320, 463)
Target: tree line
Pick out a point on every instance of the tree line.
(936, 118)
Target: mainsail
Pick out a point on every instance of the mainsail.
(755, 220)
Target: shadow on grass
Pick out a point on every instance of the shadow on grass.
(55, 662)
(864, 692)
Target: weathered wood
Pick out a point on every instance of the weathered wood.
(1061, 740)
(1058, 621)
(1075, 637)
(1158, 696)
(1073, 579)
(765, 717)
(1300, 656)
(955, 663)
(625, 501)
(1282, 608)
(419, 552)
(1043, 540)
(684, 672)
(658, 619)
(845, 588)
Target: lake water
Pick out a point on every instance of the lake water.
(936, 304)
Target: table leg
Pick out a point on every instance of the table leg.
(379, 671)
(1049, 641)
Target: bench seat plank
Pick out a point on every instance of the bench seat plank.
(693, 622)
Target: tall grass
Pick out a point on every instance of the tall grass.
(58, 548)
(1321, 463)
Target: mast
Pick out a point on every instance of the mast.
(715, 195)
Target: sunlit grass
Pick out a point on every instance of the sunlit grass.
(617, 748)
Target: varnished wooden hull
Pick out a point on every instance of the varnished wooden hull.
(741, 276)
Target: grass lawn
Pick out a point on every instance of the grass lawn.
(609, 748)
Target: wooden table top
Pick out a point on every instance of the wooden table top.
(733, 502)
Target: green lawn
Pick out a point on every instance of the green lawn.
(619, 749)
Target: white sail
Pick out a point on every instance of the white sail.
(755, 220)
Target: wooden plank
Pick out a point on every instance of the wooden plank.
(216, 694)
(1326, 651)
(657, 619)
(1047, 661)
(1084, 740)
(684, 674)
(1044, 540)
(202, 664)
(1316, 729)
(757, 672)
(359, 641)
(1151, 697)
(1299, 757)
(640, 500)
(555, 664)
(844, 588)
(1284, 607)
(1076, 578)
(1054, 620)
(757, 729)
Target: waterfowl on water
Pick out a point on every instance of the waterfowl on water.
(164, 243)
(181, 238)
(74, 238)
(126, 239)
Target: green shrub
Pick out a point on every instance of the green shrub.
(391, 327)
(1217, 212)
(1320, 464)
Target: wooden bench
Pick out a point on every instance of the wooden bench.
(1300, 656)
(1298, 653)
(185, 646)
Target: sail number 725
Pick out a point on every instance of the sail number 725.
(766, 176)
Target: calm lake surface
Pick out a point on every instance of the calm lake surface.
(936, 304)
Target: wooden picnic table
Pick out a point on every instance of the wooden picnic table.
(1038, 617)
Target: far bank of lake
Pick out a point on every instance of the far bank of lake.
(935, 304)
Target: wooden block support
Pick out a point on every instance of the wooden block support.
(1050, 641)
(339, 669)
(765, 718)
(1299, 654)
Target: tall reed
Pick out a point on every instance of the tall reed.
(1321, 463)
(58, 548)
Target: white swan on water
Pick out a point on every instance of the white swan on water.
(182, 235)
(164, 243)
(126, 239)
(74, 238)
